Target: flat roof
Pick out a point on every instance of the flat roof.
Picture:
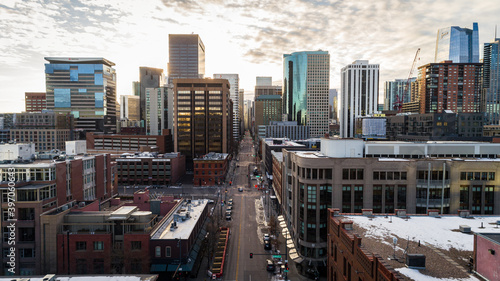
(184, 227)
(96, 60)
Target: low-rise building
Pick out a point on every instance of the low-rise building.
(129, 142)
(150, 168)
(210, 169)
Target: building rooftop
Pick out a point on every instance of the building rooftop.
(438, 238)
(284, 142)
(79, 60)
(212, 156)
(180, 224)
(268, 97)
(278, 155)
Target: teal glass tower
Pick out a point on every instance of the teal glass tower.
(84, 87)
(491, 82)
(306, 88)
(460, 45)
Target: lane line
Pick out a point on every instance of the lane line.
(239, 237)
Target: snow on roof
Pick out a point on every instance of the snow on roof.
(89, 278)
(441, 232)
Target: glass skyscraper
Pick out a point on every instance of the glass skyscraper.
(84, 87)
(306, 88)
(491, 79)
(186, 54)
(460, 45)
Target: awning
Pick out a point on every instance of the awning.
(158, 267)
(283, 224)
(295, 257)
(281, 218)
(290, 244)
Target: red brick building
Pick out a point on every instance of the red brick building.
(450, 86)
(348, 259)
(35, 102)
(46, 185)
(210, 169)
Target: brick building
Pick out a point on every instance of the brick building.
(349, 260)
(210, 169)
(129, 142)
(35, 102)
(45, 185)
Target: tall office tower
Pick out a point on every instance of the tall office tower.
(491, 83)
(460, 45)
(84, 87)
(267, 108)
(234, 81)
(264, 86)
(186, 54)
(241, 111)
(247, 114)
(155, 117)
(450, 86)
(397, 92)
(201, 117)
(149, 78)
(129, 108)
(359, 94)
(136, 88)
(305, 90)
(332, 104)
(35, 102)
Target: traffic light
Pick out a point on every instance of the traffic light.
(230, 183)
(251, 255)
(256, 185)
(286, 266)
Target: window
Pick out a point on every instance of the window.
(135, 245)
(168, 251)
(81, 266)
(157, 251)
(98, 245)
(81, 245)
(352, 174)
(98, 266)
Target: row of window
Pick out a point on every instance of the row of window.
(99, 245)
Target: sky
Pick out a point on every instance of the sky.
(247, 37)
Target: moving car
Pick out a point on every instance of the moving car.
(240, 189)
(266, 237)
(228, 216)
(267, 245)
(269, 265)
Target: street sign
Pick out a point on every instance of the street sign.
(286, 271)
(276, 256)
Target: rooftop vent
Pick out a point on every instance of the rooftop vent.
(465, 229)
(416, 261)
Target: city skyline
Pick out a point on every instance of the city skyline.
(135, 34)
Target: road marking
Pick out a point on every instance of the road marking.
(239, 239)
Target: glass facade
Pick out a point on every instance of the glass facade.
(491, 80)
(460, 45)
(84, 87)
(306, 89)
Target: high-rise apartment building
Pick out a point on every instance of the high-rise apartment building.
(460, 45)
(35, 102)
(201, 117)
(84, 87)
(154, 110)
(234, 95)
(450, 86)
(491, 83)
(359, 94)
(396, 92)
(305, 89)
(186, 54)
(129, 108)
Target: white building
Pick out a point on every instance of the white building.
(359, 94)
(16, 151)
(234, 81)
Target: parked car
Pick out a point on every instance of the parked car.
(240, 189)
(228, 216)
(230, 202)
(229, 208)
(267, 237)
(269, 265)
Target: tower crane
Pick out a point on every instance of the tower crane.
(398, 103)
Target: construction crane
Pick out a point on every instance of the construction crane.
(398, 103)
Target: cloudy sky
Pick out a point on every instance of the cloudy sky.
(247, 37)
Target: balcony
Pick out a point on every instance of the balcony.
(433, 203)
(433, 184)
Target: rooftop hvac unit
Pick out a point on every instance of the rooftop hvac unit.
(416, 261)
(465, 229)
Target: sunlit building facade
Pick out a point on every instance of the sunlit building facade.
(186, 54)
(491, 82)
(460, 45)
(306, 89)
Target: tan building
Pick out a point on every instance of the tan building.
(267, 108)
(129, 108)
(202, 117)
(352, 175)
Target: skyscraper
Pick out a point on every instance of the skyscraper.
(186, 54)
(306, 88)
(201, 117)
(460, 45)
(359, 94)
(234, 82)
(394, 90)
(129, 108)
(491, 82)
(149, 78)
(84, 87)
(449, 86)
